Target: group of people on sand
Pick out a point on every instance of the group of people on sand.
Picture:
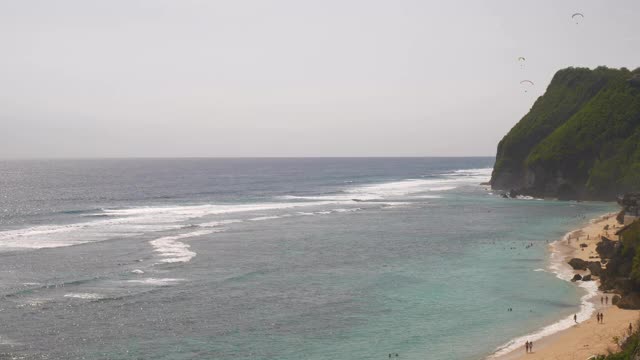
(604, 300)
(528, 346)
(599, 317)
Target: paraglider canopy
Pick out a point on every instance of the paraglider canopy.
(527, 84)
(577, 17)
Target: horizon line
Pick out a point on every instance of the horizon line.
(240, 157)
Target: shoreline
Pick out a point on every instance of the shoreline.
(566, 339)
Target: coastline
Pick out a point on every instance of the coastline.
(566, 339)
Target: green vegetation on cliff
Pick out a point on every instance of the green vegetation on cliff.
(580, 139)
(622, 275)
(630, 347)
(622, 272)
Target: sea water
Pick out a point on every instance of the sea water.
(274, 259)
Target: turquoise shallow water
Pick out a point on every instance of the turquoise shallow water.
(275, 259)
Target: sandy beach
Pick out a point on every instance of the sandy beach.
(588, 337)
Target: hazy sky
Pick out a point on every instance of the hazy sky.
(288, 77)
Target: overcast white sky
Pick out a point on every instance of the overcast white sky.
(118, 78)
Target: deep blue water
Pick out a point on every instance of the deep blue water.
(273, 259)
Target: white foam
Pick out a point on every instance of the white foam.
(84, 296)
(389, 190)
(35, 302)
(220, 223)
(442, 188)
(129, 222)
(603, 217)
(396, 189)
(346, 210)
(141, 220)
(262, 218)
(6, 341)
(564, 272)
(404, 188)
(137, 271)
(526, 197)
(50, 236)
(155, 281)
(302, 213)
(483, 172)
(172, 251)
(198, 211)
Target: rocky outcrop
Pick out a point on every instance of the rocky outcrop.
(576, 277)
(578, 264)
(615, 299)
(606, 248)
(595, 268)
(630, 301)
(586, 278)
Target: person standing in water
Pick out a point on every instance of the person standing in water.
(575, 318)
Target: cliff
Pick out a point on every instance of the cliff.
(580, 140)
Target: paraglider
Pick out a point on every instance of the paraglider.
(527, 84)
(577, 17)
(521, 60)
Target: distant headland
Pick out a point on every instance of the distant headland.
(580, 140)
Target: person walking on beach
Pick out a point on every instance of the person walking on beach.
(606, 300)
(530, 346)
(601, 300)
(601, 318)
(526, 346)
(575, 318)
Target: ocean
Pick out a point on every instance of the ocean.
(286, 259)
